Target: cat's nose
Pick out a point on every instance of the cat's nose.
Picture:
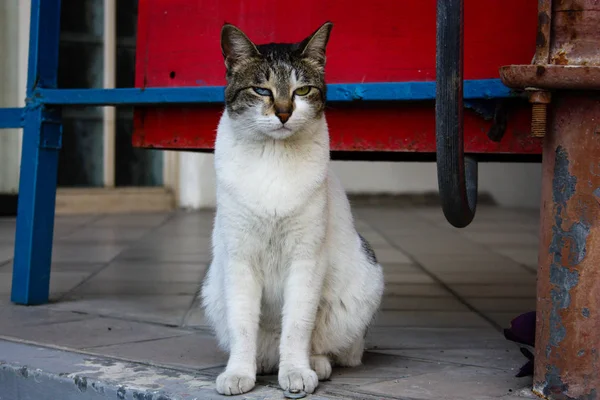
(283, 116)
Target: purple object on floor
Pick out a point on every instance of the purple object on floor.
(522, 331)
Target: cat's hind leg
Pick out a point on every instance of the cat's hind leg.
(351, 356)
(321, 365)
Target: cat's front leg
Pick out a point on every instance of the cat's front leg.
(302, 294)
(243, 296)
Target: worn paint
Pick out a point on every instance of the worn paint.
(81, 383)
(597, 194)
(134, 378)
(585, 312)
(563, 278)
(542, 42)
(567, 360)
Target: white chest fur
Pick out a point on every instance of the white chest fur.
(270, 177)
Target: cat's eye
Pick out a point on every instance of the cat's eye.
(302, 91)
(262, 91)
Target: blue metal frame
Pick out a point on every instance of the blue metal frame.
(11, 118)
(42, 135)
(337, 92)
(39, 162)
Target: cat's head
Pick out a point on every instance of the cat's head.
(276, 89)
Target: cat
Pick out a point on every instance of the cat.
(292, 286)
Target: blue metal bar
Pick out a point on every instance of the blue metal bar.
(39, 162)
(11, 118)
(45, 30)
(337, 92)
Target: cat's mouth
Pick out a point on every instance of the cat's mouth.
(283, 132)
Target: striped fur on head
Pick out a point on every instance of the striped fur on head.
(275, 86)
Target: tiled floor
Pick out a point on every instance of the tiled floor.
(124, 286)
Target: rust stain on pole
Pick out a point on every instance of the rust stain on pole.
(568, 309)
(542, 43)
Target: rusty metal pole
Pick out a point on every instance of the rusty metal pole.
(567, 350)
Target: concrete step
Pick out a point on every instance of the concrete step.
(31, 372)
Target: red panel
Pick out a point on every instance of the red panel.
(390, 128)
(382, 41)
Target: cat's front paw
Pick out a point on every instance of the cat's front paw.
(298, 379)
(231, 383)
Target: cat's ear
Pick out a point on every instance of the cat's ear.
(314, 46)
(236, 46)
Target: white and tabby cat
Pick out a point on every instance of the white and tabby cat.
(292, 286)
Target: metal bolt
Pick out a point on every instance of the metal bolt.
(539, 115)
(539, 111)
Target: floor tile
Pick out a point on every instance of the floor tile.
(375, 239)
(507, 357)
(18, 317)
(390, 268)
(494, 290)
(527, 255)
(163, 309)
(430, 319)
(7, 234)
(196, 351)
(520, 394)
(117, 287)
(158, 272)
(7, 252)
(433, 338)
(167, 256)
(90, 332)
(503, 319)
(451, 383)
(439, 244)
(407, 277)
(80, 267)
(420, 290)
(189, 244)
(132, 220)
(499, 304)
(467, 263)
(390, 255)
(522, 278)
(110, 234)
(195, 318)
(91, 253)
(189, 227)
(378, 367)
(60, 282)
(407, 303)
(74, 220)
(502, 238)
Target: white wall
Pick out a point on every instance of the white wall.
(9, 94)
(512, 185)
(14, 45)
(196, 180)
